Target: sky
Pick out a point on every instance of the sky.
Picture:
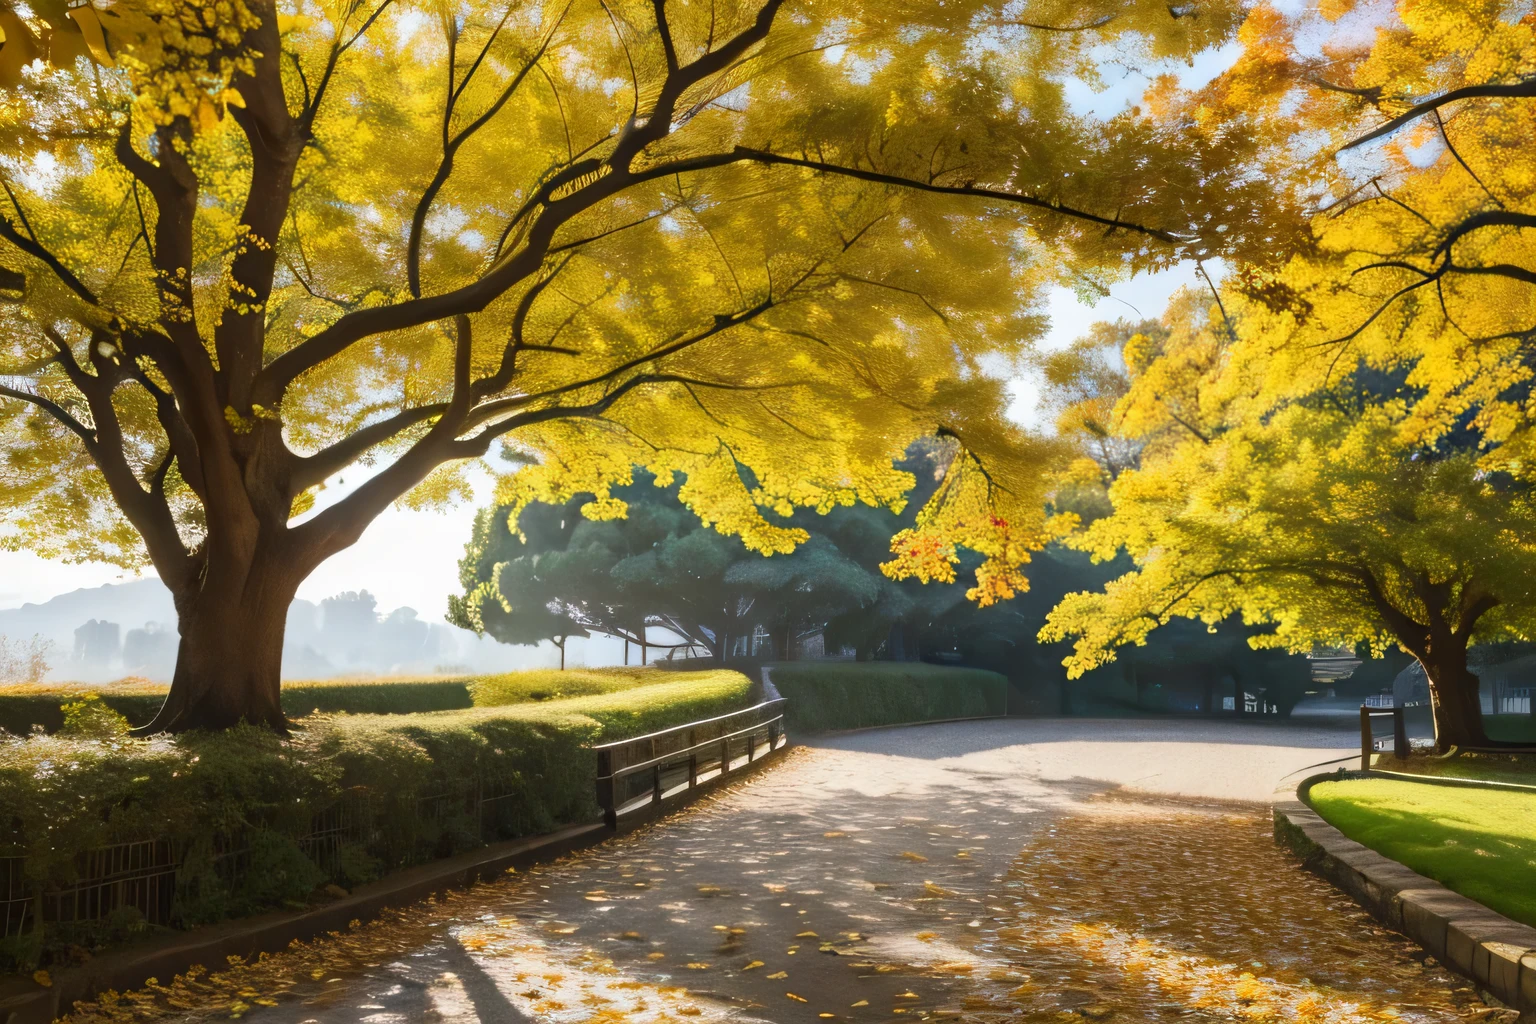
(410, 558)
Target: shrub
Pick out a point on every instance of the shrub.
(377, 696)
(856, 695)
(257, 821)
(23, 707)
(88, 718)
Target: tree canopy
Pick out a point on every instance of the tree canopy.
(246, 244)
(1336, 444)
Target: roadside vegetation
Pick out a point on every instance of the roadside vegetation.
(259, 822)
(27, 706)
(1479, 842)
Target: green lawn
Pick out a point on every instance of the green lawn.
(1479, 842)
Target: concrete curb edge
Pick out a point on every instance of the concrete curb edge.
(1497, 954)
(22, 1001)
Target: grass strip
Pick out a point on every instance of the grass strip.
(1478, 842)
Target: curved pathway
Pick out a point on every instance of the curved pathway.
(1009, 870)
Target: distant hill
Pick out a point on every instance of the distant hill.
(107, 632)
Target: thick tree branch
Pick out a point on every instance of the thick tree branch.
(722, 322)
(1478, 221)
(1015, 198)
(275, 143)
(33, 248)
(1510, 90)
(316, 468)
(54, 410)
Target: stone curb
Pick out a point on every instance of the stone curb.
(23, 1001)
(1495, 953)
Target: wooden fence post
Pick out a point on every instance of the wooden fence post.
(605, 792)
(1365, 738)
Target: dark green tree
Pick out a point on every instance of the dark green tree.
(660, 566)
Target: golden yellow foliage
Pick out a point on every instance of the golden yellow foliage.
(246, 244)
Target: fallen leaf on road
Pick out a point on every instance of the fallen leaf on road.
(777, 975)
(798, 999)
(909, 855)
(754, 965)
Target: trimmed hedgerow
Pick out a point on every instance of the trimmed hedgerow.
(377, 696)
(28, 705)
(243, 809)
(856, 695)
(553, 684)
(38, 704)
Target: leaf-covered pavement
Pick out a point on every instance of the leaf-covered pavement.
(869, 884)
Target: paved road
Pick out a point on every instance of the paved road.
(1020, 870)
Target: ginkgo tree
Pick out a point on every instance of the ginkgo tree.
(1321, 518)
(1347, 455)
(247, 244)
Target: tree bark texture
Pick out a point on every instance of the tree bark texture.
(1457, 703)
(229, 662)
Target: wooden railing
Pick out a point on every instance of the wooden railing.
(641, 772)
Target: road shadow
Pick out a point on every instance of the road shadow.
(956, 739)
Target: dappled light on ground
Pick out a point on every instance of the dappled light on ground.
(815, 893)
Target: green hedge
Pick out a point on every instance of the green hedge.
(1511, 728)
(410, 785)
(856, 695)
(28, 705)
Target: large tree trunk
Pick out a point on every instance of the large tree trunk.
(229, 663)
(1454, 696)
